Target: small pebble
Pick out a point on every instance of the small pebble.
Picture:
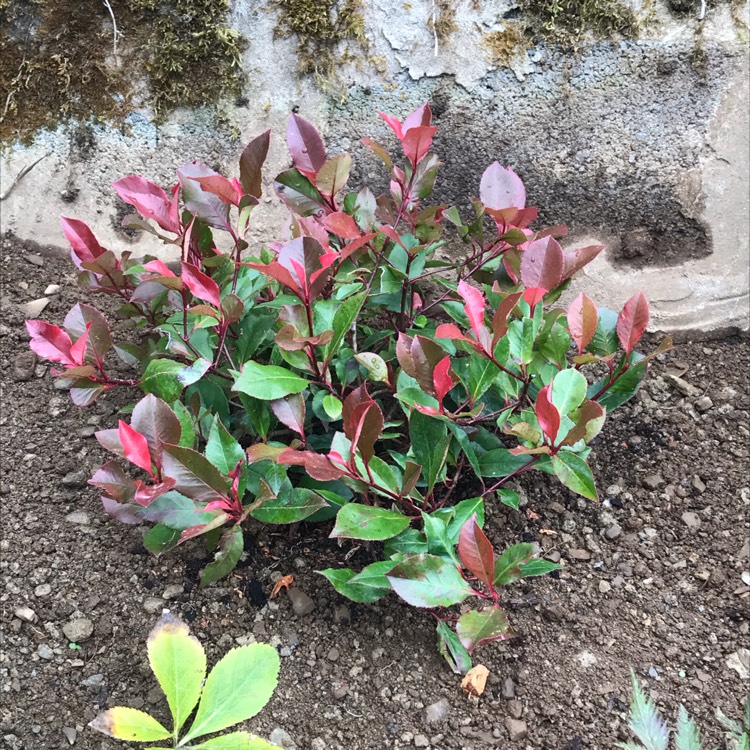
(580, 554)
(25, 613)
(45, 652)
(437, 713)
(302, 604)
(78, 516)
(34, 308)
(79, 630)
(613, 531)
(43, 589)
(152, 605)
(691, 520)
(653, 481)
(704, 404)
(516, 729)
(51, 289)
(70, 735)
(604, 587)
(173, 591)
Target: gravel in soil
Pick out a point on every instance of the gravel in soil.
(651, 580)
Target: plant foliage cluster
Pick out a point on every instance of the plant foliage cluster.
(349, 371)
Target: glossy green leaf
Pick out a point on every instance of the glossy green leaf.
(161, 379)
(130, 725)
(575, 474)
(508, 567)
(500, 462)
(240, 684)
(179, 663)
(160, 539)
(343, 320)
(231, 547)
(332, 406)
(429, 581)
(509, 498)
(222, 449)
(538, 567)
(290, 506)
(429, 444)
(367, 586)
(453, 651)
(482, 626)
(624, 388)
(568, 390)
(356, 521)
(462, 512)
(267, 382)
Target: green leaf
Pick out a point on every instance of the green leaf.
(538, 567)
(161, 539)
(624, 388)
(408, 542)
(645, 721)
(267, 382)
(568, 390)
(129, 724)
(453, 651)
(290, 506)
(462, 512)
(187, 425)
(333, 406)
(429, 581)
(605, 339)
(377, 370)
(365, 587)
(222, 449)
(438, 539)
(235, 741)
(230, 550)
(176, 511)
(240, 684)
(508, 567)
(688, 736)
(429, 444)
(356, 521)
(161, 379)
(521, 336)
(509, 498)
(298, 192)
(482, 626)
(179, 663)
(345, 316)
(500, 462)
(574, 473)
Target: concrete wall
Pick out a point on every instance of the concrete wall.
(641, 145)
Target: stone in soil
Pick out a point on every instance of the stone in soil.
(173, 591)
(51, 289)
(282, 738)
(302, 604)
(25, 613)
(580, 554)
(653, 481)
(76, 479)
(516, 729)
(34, 308)
(613, 531)
(691, 520)
(23, 366)
(437, 712)
(79, 630)
(78, 516)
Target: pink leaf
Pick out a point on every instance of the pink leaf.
(422, 116)
(50, 342)
(575, 260)
(85, 248)
(442, 379)
(158, 266)
(475, 304)
(200, 285)
(394, 124)
(632, 321)
(229, 191)
(417, 142)
(151, 201)
(542, 264)
(342, 225)
(547, 414)
(305, 144)
(135, 446)
(290, 411)
(78, 350)
(582, 320)
(501, 187)
(475, 551)
(533, 296)
(451, 331)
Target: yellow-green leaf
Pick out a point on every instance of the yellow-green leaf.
(236, 689)
(179, 663)
(236, 741)
(129, 724)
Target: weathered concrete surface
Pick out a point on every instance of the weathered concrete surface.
(632, 143)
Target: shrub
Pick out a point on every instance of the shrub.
(350, 370)
(236, 689)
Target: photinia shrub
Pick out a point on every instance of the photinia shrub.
(349, 371)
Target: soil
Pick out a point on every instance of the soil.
(664, 596)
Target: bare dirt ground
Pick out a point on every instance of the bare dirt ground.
(651, 581)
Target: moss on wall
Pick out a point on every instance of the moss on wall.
(321, 26)
(58, 61)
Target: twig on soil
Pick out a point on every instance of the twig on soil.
(115, 32)
(21, 175)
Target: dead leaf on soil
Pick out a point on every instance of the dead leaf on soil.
(283, 583)
(548, 532)
(475, 680)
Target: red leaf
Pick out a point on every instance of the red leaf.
(151, 201)
(475, 304)
(111, 478)
(317, 465)
(403, 354)
(533, 296)
(251, 164)
(155, 420)
(305, 144)
(394, 124)
(451, 331)
(582, 320)
(342, 225)
(501, 187)
(575, 260)
(354, 245)
(417, 142)
(632, 321)
(276, 271)
(158, 266)
(442, 379)
(500, 318)
(50, 342)
(290, 411)
(135, 446)
(547, 414)
(82, 318)
(200, 285)
(85, 248)
(542, 264)
(230, 191)
(426, 354)
(475, 551)
(78, 350)
(367, 420)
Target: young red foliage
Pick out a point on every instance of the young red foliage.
(582, 320)
(632, 321)
(475, 551)
(547, 414)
